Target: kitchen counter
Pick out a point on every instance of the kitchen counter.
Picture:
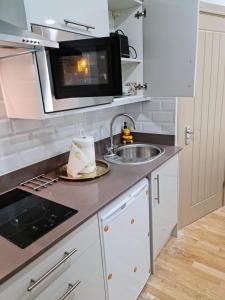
(87, 197)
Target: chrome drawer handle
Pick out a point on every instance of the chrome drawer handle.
(78, 24)
(71, 287)
(158, 189)
(34, 283)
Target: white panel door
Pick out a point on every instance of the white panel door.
(170, 34)
(53, 13)
(164, 185)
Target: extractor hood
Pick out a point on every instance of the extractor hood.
(17, 41)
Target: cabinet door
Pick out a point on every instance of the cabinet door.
(82, 281)
(164, 185)
(170, 35)
(127, 249)
(81, 240)
(53, 13)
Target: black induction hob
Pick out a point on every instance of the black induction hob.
(25, 217)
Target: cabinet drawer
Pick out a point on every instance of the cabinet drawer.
(54, 13)
(86, 272)
(81, 239)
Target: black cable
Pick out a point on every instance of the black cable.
(134, 51)
(120, 30)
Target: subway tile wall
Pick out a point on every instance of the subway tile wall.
(24, 142)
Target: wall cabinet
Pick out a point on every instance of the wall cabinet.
(79, 14)
(164, 34)
(164, 203)
(52, 13)
(80, 276)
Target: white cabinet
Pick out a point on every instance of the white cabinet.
(164, 201)
(81, 280)
(79, 14)
(164, 38)
(170, 39)
(53, 13)
(125, 242)
(80, 275)
(165, 41)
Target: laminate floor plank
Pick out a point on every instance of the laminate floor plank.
(192, 266)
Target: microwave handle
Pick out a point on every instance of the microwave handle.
(78, 24)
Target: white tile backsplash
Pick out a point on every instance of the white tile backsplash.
(5, 128)
(152, 127)
(10, 163)
(20, 126)
(168, 104)
(2, 109)
(162, 116)
(15, 143)
(154, 105)
(24, 142)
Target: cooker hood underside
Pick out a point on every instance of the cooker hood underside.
(17, 41)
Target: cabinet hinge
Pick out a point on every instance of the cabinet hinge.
(141, 87)
(140, 14)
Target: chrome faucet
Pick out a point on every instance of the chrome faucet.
(112, 146)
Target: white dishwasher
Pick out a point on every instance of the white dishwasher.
(124, 227)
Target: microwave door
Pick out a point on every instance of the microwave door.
(51, 103)
(87, 68)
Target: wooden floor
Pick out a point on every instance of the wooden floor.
(193, 265)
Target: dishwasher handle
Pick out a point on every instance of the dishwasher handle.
(118, 210)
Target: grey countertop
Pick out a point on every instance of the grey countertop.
(87, 197)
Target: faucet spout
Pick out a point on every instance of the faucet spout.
(112, 146)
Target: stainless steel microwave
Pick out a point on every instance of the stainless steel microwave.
(84, 71)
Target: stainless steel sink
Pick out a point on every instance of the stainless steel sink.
(134, 154)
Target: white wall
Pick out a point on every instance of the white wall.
(221, 2)
(24, 142)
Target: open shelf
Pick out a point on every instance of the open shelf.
(123, 100)
(125, 60)
(123, 4)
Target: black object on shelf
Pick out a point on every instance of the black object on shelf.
(124, 43)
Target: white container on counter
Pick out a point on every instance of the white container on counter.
(82, 156)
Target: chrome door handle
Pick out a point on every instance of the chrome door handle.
(34, 283)
(158, 191)
(188, 134)
(71, 287)
(78, 24)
